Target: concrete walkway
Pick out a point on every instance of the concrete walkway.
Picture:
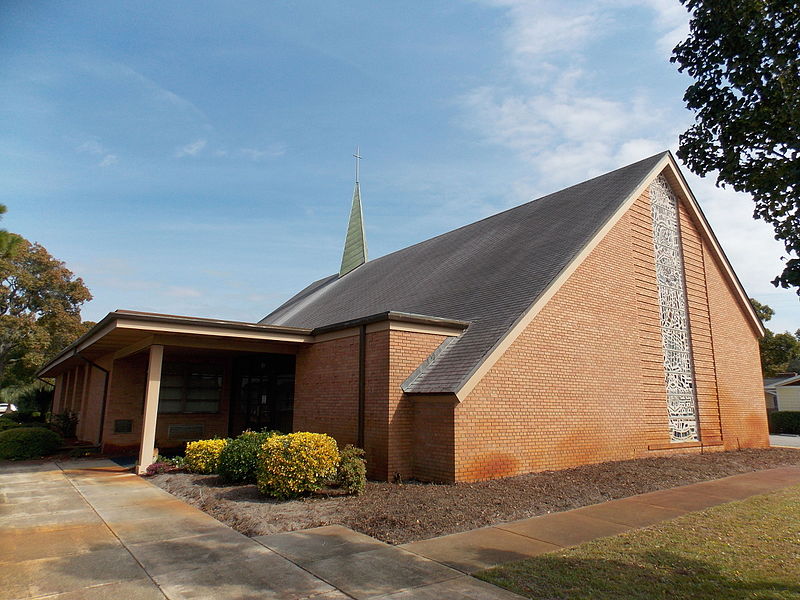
(88, 530)
(480, 549)
(784, 441)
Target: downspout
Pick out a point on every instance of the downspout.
(362, 382)
(105, 396)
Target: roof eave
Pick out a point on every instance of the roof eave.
(396, 316)
(213, 326)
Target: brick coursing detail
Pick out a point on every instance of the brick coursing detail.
(326, 395)
(585, 381)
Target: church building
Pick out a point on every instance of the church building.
(601, 322)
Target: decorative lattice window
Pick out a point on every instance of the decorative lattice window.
(676, 343)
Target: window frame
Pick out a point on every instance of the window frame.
(187, 371)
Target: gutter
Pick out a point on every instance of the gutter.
(391, 315)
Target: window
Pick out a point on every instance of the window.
(190, 388)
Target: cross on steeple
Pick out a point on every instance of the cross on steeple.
(355, 243)
(358, 158)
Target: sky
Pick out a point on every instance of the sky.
(195, 157)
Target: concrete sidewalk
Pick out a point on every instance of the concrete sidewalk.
(481, 549)
(88, 530)
(784, 440)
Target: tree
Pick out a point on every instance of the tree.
(8, 241)
(764, 312)
(744, 57)
(40, 302)
(780, 352)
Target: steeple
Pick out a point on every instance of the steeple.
(355, 244)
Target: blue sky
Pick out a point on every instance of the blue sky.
(195, 157)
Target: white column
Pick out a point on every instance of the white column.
(150, 409)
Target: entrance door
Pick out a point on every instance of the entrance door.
(263, 393)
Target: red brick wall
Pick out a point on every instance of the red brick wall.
(89, 424)
(326, 389)
(326, 395)
(434, 438)
(126, 401)
(407, 350)
(585, 381)
(738, 365)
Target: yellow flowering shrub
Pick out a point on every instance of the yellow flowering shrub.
(289, 465)
(202, 456)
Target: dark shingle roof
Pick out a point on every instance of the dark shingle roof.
(487, 273)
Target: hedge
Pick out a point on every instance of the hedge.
(784, 421)
(21, 443)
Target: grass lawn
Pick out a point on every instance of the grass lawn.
(747, 549)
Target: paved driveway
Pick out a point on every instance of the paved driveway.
(91, 530)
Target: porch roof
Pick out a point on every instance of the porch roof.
(125, 332)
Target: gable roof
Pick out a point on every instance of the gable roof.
(488, 273)
(771, 383)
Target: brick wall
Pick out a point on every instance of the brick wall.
(738, 365)
(585, 381)
(326, 395)
(326, 389)
(126, 401)
(434, 438)
(410, 425)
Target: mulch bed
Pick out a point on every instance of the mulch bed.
(410, 511)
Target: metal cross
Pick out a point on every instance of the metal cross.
(358, 158)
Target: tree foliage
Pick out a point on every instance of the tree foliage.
(764, 312)
(8, 241)
(40, 302)
(780, 352)
(744, 57)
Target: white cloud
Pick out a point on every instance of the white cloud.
(91, 147)
(192, 149)
(564, 135)
(108, 160)
(257, 154)
(175, 291)
(549, 112)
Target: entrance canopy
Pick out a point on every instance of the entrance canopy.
(124, 332)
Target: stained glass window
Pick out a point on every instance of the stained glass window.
(676, 343)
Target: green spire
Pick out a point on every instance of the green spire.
(355, 244)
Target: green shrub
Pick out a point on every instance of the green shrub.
(239, 459)
(22, 416)
(202, 456)
(20, 443)
(289, 465)
(784, 421)
(65, 423)
(352, 472)
(6, 423)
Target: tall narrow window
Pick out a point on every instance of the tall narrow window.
(676, 343)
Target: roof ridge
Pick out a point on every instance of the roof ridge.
(333, 276)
